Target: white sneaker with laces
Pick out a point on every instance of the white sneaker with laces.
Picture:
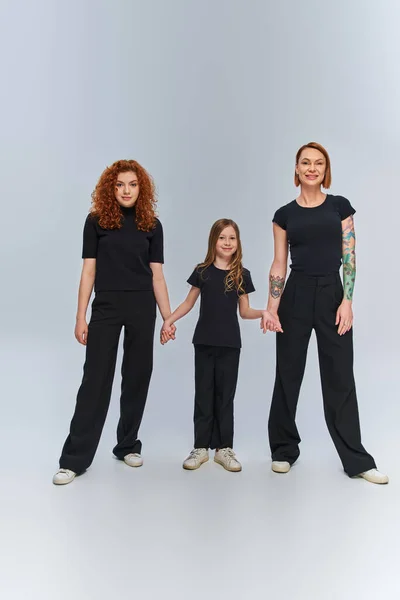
(374, 476)
(227, 458)
(280, 466)
(63, 476)
(196, 458)
(133, 460)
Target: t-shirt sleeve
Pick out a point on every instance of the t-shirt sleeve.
(156, 247)
(195, 279)
(247, 282)
(280, 217)
(90, 238)
(344, 207)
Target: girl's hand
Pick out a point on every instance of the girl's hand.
(344, 317)
(81, 331)
(167, 332)
(270, 322)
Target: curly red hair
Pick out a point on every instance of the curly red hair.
(106, 207)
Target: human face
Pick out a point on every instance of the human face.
(127, 189)
(226, 243)
(311, 167)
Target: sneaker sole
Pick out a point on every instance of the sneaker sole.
(232, 470)
(187, 468)
(133, 466)
(373, 480)
(63, 482)
(280, 469)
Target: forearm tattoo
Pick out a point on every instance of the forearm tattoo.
(276, 284)
(349, 257)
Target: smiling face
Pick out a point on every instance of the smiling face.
(311, 167)
(127, 189)
(227, 243)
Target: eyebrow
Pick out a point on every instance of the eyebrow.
(317, 159)
(132, 181)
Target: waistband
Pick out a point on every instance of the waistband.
(314, 281)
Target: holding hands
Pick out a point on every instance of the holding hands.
(270, 322)
(167, 332)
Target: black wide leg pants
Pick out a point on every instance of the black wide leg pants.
(216, 372)
(136, 312)
(311, 303)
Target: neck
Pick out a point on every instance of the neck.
(310, 196)
(126, 210)
(221, 263)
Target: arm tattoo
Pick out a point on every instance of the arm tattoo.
(349, 257)
(276, 284)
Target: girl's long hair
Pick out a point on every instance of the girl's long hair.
(106, 207)
(234, 277)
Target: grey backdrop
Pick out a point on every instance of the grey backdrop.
(213, 98)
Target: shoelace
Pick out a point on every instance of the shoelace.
(66, 471)
(195, 453)
(228, 453)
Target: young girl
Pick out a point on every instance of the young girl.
(222, 283)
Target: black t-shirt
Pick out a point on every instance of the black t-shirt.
(315, 234)
(123, 256)
(218, 323)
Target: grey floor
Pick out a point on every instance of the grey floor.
(161, 532)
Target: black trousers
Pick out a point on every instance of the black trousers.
(216, 372)
(311, 303)
(136, 312)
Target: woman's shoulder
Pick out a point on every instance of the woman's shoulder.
(92, 219)
(281, 215)
(342, 205)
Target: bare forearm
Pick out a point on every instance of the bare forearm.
(251, 313)
(161, 296)
(85, 291)
(349, 258)
(277, 276)
(180, 312)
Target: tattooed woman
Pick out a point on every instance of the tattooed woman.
(318, 229)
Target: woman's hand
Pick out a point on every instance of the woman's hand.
(167, 332)
(81, 331)
(270, 322)
(344, 317)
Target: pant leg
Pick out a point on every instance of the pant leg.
(338, 386)
(137, 367)
(204, 361)
(295, 313)
(94, 394)
(226, 374)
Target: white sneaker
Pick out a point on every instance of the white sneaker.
(133, 460)
(280, 466)
(227, 458)
(63, 476)
(196, 458)
(374, 476)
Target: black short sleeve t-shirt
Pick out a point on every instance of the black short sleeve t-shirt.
(218, 323)
(315, 234)
(123, 256)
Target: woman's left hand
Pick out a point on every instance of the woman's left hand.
(344, 317)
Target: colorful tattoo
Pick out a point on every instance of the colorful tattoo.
(276, 285)
(349, 257)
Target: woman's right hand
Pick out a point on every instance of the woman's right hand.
(270, 322)
(81, 331)
(167, 332)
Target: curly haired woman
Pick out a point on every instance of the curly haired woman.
(122, 259)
